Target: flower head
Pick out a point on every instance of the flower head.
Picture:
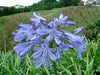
(49, 41)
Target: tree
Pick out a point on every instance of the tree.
(66, 2)
(0, 13)
(20, 10)
(48, 1)
(75, 2)
(12, 10)
(26, 9)
(5, 11)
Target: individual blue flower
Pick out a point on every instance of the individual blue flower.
(19, 37)
(78, 43)
(52, 31)
(42, 56)
(63, 38)
(38, 19)
(22, 49)
(78, 30)
(63, 21)
(26, 30)
(62, 48)
(70, 23)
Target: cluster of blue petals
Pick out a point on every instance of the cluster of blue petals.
(40, 35)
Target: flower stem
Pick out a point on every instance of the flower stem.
(47, 72)
(55, 69)
(52, 45)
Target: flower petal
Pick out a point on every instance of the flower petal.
(42, 32)
(71, 23)
(52, 25)
(37, 54)
(61, 16)
(25, 51)
(55, 19)
(34, 19)
(58, 41)
(38, 64)
(70, 46)
(79, 55)
(57, 55)
(19, 47)
(37, 48)
(58, 33)
(64, 47)
(65, 19)
(39, 17)
(35, 60)
(52, 56)
(19, 37)
(78, 30)
(48, 38)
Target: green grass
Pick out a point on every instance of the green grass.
(81, 15)
(11, 64)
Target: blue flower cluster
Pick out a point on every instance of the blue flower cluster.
(48, 40)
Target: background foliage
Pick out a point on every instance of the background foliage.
(42, 5)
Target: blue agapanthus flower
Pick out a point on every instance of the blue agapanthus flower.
(38, 20)
(78, 43)
(62, 48)
(78, 30)
(26, 30)
(22, 49)
(63, 21)
(48, 40)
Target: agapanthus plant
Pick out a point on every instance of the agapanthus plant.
(52, 40)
